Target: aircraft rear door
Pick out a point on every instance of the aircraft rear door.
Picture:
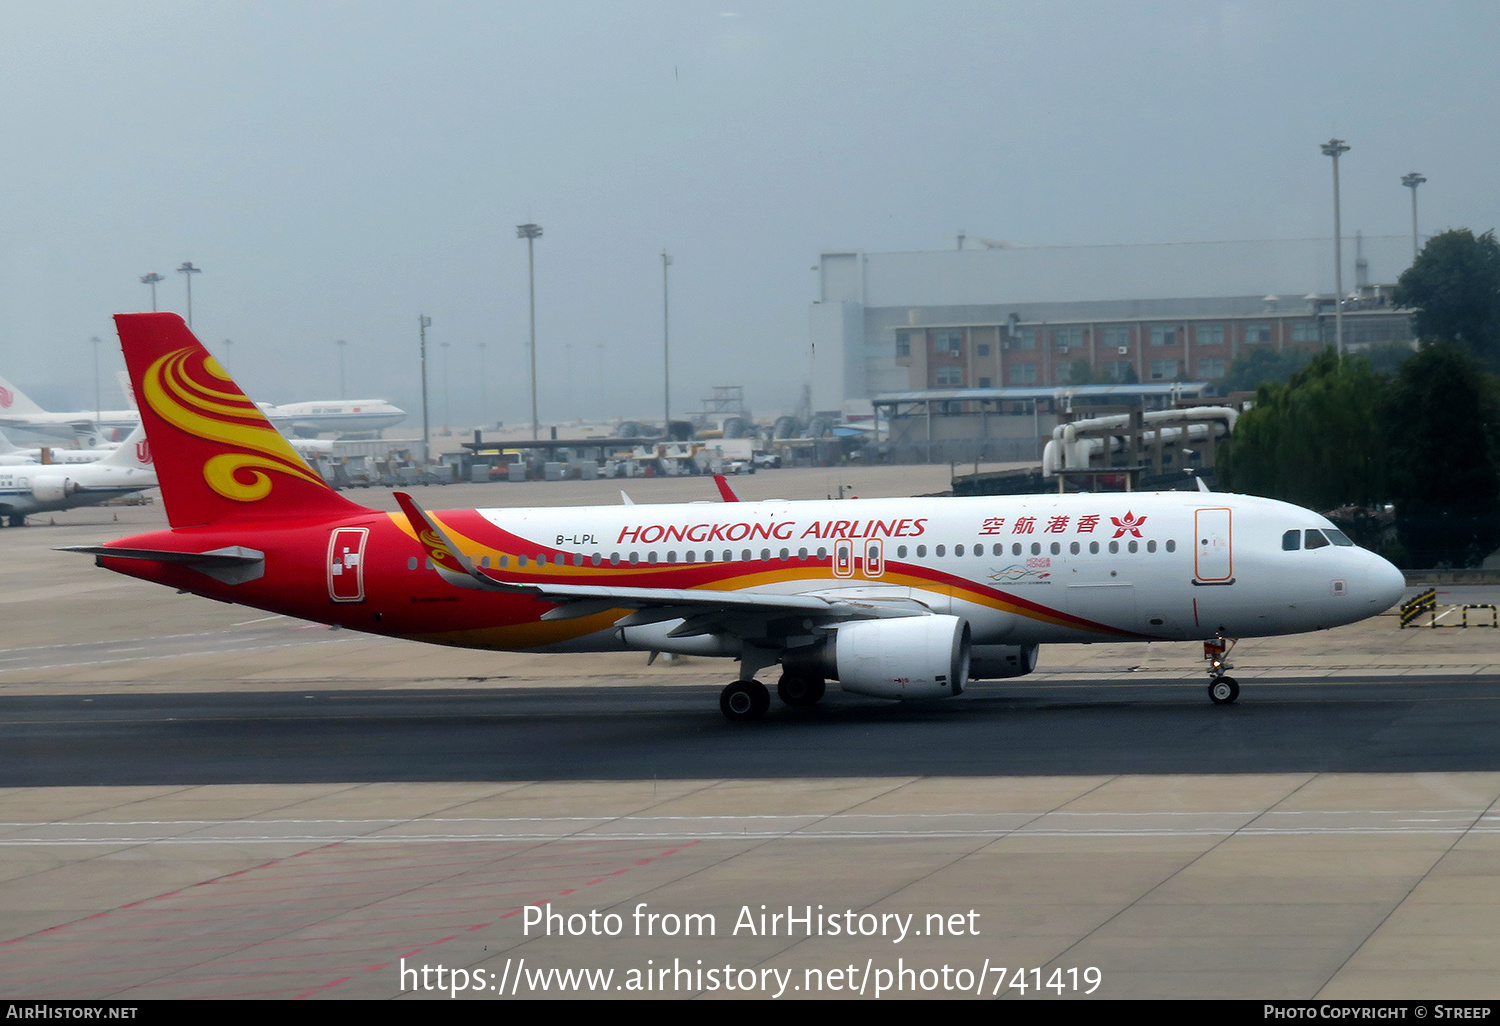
(1213, 549)
(346, 564)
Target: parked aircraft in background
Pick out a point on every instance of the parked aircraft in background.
(21, 417)
(10, 455)
(341, 416)
(31, 488)
(91, 428)
(898, 598)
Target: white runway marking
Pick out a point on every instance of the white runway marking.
(851, 826)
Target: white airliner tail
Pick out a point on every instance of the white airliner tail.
(13, 400)
(134, 452)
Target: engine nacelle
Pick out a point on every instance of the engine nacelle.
(52, 489)
(905, 657)
(994, 662)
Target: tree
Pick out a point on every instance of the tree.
(1315, 441)
(1081, 373)
(1259, 365)
(1442, 423)
(1454, 287)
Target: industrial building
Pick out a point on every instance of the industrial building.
(995, 317)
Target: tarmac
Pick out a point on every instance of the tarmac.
(1263, 885)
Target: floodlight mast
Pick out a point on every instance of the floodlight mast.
(151, 279)
(532, 232)
(1333, 148)
(187, 270)
(1411, 181)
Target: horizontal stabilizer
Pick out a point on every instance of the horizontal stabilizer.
(233, 564)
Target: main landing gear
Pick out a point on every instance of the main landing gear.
(1222, 689)
(746, 700)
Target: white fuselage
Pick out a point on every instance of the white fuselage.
(41, 488)
(1020, 569)
(341, 416)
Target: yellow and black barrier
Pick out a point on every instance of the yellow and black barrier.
(1414, 607)
(1426, 602)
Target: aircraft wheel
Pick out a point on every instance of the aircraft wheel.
(800, 690)
(744, 700)
(1223, 690)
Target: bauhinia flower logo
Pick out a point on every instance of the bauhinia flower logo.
(1129, 523)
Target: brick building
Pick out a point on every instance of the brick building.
(1059, 316)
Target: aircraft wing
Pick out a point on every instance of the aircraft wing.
(575, 600)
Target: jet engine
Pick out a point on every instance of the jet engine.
(53, 489)
(908, 657)
(993, 662)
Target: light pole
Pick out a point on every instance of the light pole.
(151, 279)
(1332, 148)
(189, 270)
(1411, 181)
(423, 323)
(531, 232)
(98, 406)
(666, 367)
(341, 344)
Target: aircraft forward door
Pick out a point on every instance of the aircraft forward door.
(1213, 546)
(346, 564)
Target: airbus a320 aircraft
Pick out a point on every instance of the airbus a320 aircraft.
(898, 598)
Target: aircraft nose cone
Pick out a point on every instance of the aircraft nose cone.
(1384, 582)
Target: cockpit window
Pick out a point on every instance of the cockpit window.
(1291, 541)
(1315, 539)
(1337, 537)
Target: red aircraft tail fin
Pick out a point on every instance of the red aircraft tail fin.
(217, 456)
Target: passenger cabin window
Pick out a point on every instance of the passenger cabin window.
(1315, 539)
(1291, 541)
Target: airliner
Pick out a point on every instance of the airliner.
(31, 488)
(344, 416)
(895, 598)
(18, 413)
(11, 455)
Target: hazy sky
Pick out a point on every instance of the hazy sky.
(337, 168)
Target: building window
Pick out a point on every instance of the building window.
(1210, 334)
(1257, 331)
(1163, 370)
(1118, 370)
(1025, 339)
(1023, 374)
(1068, 338)
(981, 349)
(1306, 331)
(1163, 335)
(1210, 368)
(986, 383)
(1116, 335)
(903, 343)
(949, 342)
(950, 376)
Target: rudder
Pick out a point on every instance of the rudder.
(217, 457)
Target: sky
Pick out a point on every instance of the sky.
(338, 169)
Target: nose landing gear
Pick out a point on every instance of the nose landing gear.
(1222, 689)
